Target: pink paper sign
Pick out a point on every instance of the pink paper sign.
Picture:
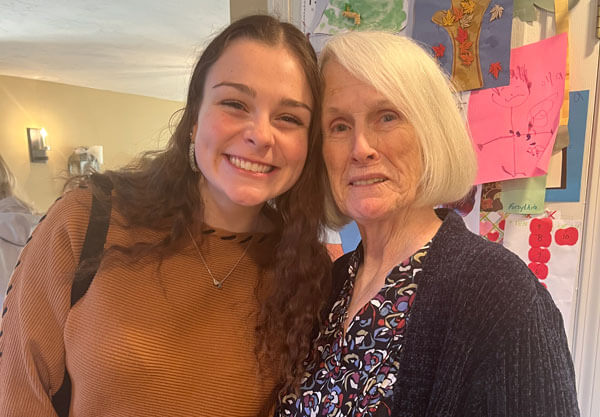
(514, 127)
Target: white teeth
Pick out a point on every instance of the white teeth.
(368, 182)
(249, 166)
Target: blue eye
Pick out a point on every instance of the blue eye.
(389, 117)
(340, 127)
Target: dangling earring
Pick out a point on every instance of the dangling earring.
(192, 155)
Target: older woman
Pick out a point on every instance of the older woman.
(427, 319)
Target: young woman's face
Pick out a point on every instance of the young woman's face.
(251, 136)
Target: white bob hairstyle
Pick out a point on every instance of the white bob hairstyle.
(413, 82)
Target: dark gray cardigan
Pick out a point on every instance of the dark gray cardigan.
(483, 337)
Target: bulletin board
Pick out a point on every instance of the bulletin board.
(566, 225)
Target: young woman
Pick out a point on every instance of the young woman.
(212, 254)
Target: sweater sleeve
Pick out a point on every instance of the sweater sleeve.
(530, 372)
(36, 307)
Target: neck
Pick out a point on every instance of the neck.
(237, 221)
(232, 217)
(390, 241)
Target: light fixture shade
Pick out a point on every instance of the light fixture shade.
(98, 152)
(83, 162)
(37, 144)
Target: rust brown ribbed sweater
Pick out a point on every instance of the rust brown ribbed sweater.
(142, 341)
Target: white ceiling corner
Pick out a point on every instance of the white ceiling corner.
(145, 47)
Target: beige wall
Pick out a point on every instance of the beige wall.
(241, 8)
(124, 124)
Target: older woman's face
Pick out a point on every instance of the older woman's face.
(371, 151)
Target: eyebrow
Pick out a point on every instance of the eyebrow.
(243, 88)
(378, 103)
(295, 103)
(240, 87)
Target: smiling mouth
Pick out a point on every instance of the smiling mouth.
(369, 181)
(249, 165)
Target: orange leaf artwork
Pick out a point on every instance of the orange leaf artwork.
(462, 36)
(495, 68)
(467, 58)
(458, 13)
(439, 50)
(465, 46)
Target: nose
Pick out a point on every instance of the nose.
(363, 149)
(260, 133)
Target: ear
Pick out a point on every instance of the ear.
(194, 130)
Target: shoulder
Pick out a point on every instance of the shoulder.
(340, 266)
(69, 213)
(456, 249)
(480, 284)
(46, 265)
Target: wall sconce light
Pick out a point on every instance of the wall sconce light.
(37, 144)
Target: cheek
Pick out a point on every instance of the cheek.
(334, 162)
(332, 155)
(296, 152)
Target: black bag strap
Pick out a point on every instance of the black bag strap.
(89, 261)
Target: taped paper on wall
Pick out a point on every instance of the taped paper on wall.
(550, 246)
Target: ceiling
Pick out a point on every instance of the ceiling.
(145, 47)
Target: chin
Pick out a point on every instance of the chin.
(249, 199)
(368, 214)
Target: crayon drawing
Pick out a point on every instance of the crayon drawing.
(514, 127)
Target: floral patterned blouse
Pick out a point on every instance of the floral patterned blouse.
(354, 374)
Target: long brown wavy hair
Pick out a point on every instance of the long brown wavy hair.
(159, 190)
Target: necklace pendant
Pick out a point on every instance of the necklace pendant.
(218, 284)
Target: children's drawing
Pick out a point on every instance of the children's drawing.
(550, 247)
(491, 197)
(469, 38)
(323, 18)
(491, 225)
(524, 10)
(345, 15)
(492, 217)
(514, 127)
(529, 127)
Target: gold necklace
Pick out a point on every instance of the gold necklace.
(216, 282)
